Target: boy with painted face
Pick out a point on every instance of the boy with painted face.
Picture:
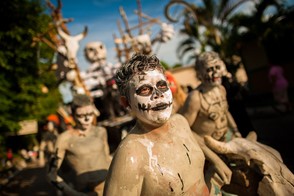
(159, 156)
(86, 149)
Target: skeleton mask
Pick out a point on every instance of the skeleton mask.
(150, 97)
(95, 51)
(142, 44)
(211, 73)
(84, 117)
(71, 43)
(167, 32)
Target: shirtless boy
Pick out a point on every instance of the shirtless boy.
(206, 110)
(86, 149)
(159, 156)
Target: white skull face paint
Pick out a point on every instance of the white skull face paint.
(212, 72)
(84, 117)
(95, 51)
(151, 98)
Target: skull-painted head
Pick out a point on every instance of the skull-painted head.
(209, 68)
(143, 83)
(83, 111)
(95, 51)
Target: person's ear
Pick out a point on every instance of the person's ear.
(124, 101)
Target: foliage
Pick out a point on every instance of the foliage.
(22, 74)
(206, 30)
(273, 31)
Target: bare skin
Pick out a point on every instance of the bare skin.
(159, 156)
(206, 110)
(158, 161)
(87, 152)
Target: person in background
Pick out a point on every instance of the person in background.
(86, 150)
(206, 109)
(279, 85)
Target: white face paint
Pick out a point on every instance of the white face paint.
(50, 126)
(212, 72)
(95, 51)
(84, 117)
(151, 98)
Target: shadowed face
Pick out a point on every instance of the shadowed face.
(212, 72)
(150, 97)
(84, 117)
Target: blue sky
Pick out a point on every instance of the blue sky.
(100, 16)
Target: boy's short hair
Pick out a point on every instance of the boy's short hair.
(80, 100)
(138, 64)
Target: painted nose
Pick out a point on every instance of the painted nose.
(156, 94)
(86, 118)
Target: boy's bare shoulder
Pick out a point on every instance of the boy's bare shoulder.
(178, 118)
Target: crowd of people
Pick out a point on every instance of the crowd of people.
(195, 148)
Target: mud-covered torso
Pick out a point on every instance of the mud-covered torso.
(211, 118)
(87, 153)
(171, 164)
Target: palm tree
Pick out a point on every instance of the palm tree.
(273, 31)
(206, 27)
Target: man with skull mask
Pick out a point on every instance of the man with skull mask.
(206, 109)
(160, 154)
(99, 80)
(86, 150)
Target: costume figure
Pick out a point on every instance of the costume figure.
(206, 110)
(85, 148)
(99, 81)
(206, 107)
(159, 156)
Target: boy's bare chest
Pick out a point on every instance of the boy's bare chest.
(85, 145)
(169, 165)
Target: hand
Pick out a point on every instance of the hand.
(222, 170)
(237, 134)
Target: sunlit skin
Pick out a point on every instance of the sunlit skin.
(86, 149)
(206, 110)
(159, 156)
(152, 98)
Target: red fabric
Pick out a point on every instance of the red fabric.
(172, 82)
(54, 118)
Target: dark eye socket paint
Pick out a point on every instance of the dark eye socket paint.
(144, 90)
(162, 85)
(85, 115)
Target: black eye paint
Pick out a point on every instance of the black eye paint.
(85, 115)
(162, 86)
(144, 90)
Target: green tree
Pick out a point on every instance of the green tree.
(24, 68)
(273, 30)
(208, 26)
